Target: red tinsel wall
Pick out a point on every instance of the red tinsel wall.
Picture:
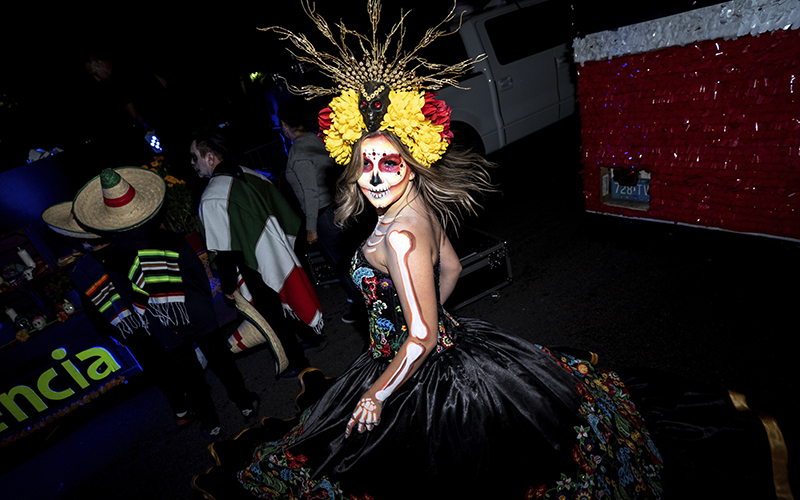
(717, 124)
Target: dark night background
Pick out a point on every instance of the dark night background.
(205, 52)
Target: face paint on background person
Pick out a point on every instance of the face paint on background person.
(199, 162)
(385, 176)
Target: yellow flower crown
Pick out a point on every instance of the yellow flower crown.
(342, 125)
(378, 94)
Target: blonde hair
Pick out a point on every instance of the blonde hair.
(448, 188)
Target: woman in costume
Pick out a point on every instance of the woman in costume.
(438, 406)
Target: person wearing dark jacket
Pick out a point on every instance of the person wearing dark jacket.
(151, 283)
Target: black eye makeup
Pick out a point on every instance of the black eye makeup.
(367, 165)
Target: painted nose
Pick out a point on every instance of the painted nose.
(375, 180)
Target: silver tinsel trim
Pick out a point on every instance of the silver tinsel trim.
(726, 20)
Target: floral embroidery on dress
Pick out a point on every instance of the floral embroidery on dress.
(279, 474)
(611, 453)
(385, 340)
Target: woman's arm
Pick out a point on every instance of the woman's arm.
(409, 264)
(450, 269)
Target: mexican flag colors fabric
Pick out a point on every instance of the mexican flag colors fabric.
(251, 216)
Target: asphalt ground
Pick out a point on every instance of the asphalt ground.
(705, 304)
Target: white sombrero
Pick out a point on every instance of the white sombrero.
(61, 220)
(119, 199)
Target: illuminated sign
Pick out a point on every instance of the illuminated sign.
(55, 385)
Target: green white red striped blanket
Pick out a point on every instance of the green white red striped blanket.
(251, 216)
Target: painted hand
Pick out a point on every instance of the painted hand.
(367, 415)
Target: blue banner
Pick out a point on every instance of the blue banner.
(56, 372)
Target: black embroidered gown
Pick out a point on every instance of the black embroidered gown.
(488, 415)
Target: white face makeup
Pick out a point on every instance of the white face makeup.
(385, 177)
(200, 164)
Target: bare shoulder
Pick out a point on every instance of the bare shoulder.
(413, 232)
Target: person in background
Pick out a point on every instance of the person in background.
(312, 174)
(154, 359)
(150, 282)
(251, 229)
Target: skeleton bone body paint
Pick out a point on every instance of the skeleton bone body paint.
(382, 184)
(402, 243)
(384, 181)
(379, 233)
(385, 177)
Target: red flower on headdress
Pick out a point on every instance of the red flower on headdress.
(438, 113)
(324, 119)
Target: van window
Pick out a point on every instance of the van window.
(530, 30)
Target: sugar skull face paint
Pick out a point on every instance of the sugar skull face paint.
(385, 177)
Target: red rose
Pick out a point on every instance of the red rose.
(324, 119)
(438, 113)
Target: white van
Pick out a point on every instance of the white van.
(527, 81)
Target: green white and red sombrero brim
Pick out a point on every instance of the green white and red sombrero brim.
(61, 220)
(119, 199)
